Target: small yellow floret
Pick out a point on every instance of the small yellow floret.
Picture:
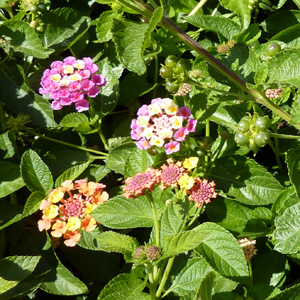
(190, 163)
(186, 182)
(73, 223)
(51, 212)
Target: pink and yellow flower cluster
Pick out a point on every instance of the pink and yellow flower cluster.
(70, 80)
(172, 175)
(67, 209)
(162, 124)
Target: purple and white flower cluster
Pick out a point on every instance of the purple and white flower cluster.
(70, 80)
(162, 124)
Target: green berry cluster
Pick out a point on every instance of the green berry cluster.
(252, 4)
(253, 132)
(175, 71)
(35, 10)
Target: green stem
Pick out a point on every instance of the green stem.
(105, 155)
(285, 136)
(165, 277)
(2, 118)
(197, 7)
(250, 272)
(102, 137)
(3, 17)
(196, 215)
(155, 219)
(205, 87)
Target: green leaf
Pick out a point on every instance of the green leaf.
(291, 293)
(284, 68)
(63, 282)
(171, 220)
(281, 20)
(112, 71)
(122, 213)
(104, 25)
(14, 269)
(270, 268)
(6, 146)
(225, 27)
(6, 3)
(35, 172)
(71, 173)
(245, 180)
(287, 233)
(123, 287)
(295, 112)
(206, 287)
(189, 277)
(95, 172)
(18, 97)
(73, 120)
(129, 39)
(31, 206)
(137, 162)
(240, 7)
(290, 36)
(293, 164)
(64, 26)
(228, 115)
(22, 38)
(250, 35)
(118, 156)
(110, 241)
(10, 179)
(132, 87)
(223, 252)
(229, 214)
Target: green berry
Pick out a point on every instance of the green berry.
(33, 8)
(152, 151)
(262, 123)
(182, 66)
(241, 139)
(172, 86)
(262, 138)
(40, 28)
(42, 7)
(273, 48)
(166, 72)
(200, 152)
(244, 125)
(171, 61)
(252, 2)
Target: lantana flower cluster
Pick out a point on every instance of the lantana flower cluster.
(67, 209)
(70, 81)
(174, 175)
(162, 124)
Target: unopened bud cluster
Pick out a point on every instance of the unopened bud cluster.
(150, 252)
(253, 132)
(273, 93)
(248, 247)
(225, 48)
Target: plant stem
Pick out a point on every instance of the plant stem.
(165, 277)
(197, 7)
(105, 155)
(250, 272)
(285, 136)
(155, 219)
(2, 118)
(102, 137)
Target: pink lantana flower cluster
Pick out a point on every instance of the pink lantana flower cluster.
(162, 124)
(70, 81)
(67, 209)
(174, 175)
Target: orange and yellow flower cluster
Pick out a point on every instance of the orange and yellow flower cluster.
(67, 209)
